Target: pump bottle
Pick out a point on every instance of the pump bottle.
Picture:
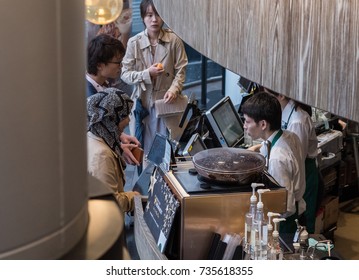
(276, 252)
(303, 242)
(270, 227)
(259, 233)
(301, 237)
(250, 217)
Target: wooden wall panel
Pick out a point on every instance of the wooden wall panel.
(305, 49)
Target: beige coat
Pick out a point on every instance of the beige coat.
(170, 52)
(104, 164)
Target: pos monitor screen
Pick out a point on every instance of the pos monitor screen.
(225, 124)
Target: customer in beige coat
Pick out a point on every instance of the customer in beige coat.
(108, 114)
(146, 53)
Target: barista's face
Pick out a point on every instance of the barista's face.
(253, 129)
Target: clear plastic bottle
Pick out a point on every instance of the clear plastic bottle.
(260, 230)
(250, 215)
(255, 241)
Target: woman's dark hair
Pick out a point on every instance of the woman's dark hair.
(144, 6)
(263, 106)
(102, 49)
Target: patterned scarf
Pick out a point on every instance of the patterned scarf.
(105, 110)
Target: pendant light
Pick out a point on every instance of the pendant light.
(103, 11)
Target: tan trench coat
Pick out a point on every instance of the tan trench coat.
(104, 164)
(171, 53)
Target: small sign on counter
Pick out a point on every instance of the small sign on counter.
(160, 209)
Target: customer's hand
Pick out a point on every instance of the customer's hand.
(127, 139)
(155, 71)
(169, 97)
(127, 153)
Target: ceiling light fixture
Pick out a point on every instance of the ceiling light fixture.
(103, 11)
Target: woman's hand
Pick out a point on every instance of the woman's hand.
(128, 155)
(128, 143)
(127, 139)
(155, 71)
(169, 97)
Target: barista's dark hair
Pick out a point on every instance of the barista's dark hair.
(263, 106)
(102, 49)
(303, 106)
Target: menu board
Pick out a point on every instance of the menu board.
(160, 209)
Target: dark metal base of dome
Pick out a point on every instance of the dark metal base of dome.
(212, 183)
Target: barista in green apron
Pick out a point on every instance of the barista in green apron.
(297, 120)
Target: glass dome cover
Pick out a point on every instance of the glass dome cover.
(228, 164)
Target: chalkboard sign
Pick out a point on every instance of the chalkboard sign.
(160, 209)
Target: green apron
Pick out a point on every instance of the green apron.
(311, 192)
